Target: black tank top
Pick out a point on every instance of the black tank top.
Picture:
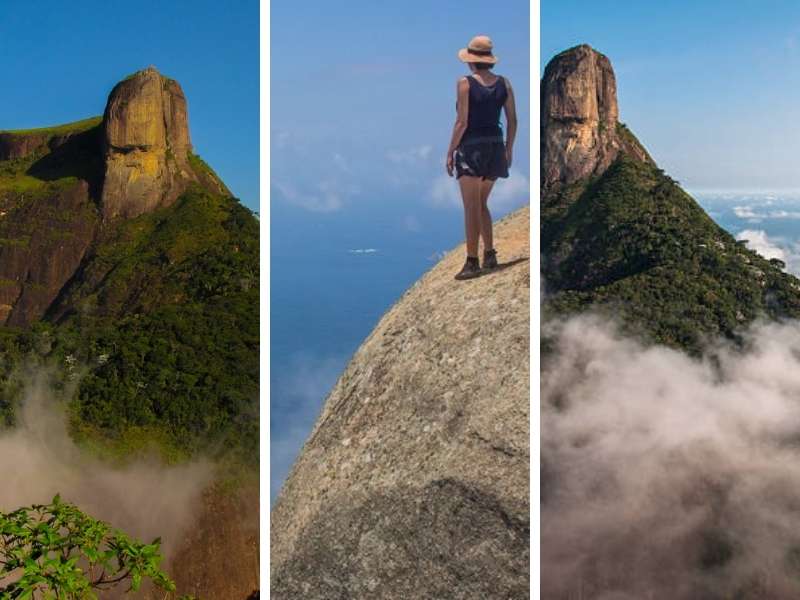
(485, 104)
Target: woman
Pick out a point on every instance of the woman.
(476, 151)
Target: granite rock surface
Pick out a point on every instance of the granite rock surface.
(414, 482)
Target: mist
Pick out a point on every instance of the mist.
(145, 499)
(665, 476)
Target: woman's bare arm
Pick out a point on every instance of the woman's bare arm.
(462, 109)
(511, 122)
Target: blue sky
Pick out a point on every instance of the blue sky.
(711, 88)
(61, 59)
(362, 107)
(363, 98)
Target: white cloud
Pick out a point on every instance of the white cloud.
(773, 247)
(445, 192)
(784, 214)
(410, 156)
(758, 240)
(747, 212)
(661, 463)
(327, 197)
(298, 394)
(754, 216)
(514, 189)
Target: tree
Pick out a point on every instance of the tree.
(56, 552)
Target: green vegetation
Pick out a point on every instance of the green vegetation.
(199, 165)
(57, 552)
(632, 243)
(170, 334)
(74, 127)
(156, 342)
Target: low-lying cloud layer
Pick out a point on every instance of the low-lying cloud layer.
(38, 459)
(773, 247)
(668, 477)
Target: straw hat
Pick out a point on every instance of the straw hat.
(478, 50)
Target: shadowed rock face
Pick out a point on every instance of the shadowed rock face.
(579, 118)
(414, 481)
(42, 245)
(17, 146)
(146, 145)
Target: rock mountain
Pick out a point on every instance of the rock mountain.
(123, 253)
(414, 481)
(580, 132)
(68, 180)
(621, 236)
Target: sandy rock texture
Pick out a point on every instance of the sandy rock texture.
(414, 481)
(146, 145)
(580, 135)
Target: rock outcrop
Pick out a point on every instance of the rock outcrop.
(59, 184)
(146, 145)
(580, 132)
(414, 481)
(14, 146)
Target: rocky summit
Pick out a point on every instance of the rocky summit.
(58, 185)
(414, 482)
(621, 237)
(146, 145)
(580, 133)
(638, 498)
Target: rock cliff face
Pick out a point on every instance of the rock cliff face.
(146, 145)
(414, 481)
(14, 146)
(580, 134)
(41, 247)
(58, 185)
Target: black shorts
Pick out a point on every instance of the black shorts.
(481, 157)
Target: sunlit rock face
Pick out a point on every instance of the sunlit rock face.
(580, 135)
(146, 145)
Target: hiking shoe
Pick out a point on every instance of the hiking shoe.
(490, 260)
(470, 269)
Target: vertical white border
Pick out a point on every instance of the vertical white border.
(535, 303)
(263, 211)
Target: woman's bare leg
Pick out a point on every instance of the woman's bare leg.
(471, 196)
(486, 216)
